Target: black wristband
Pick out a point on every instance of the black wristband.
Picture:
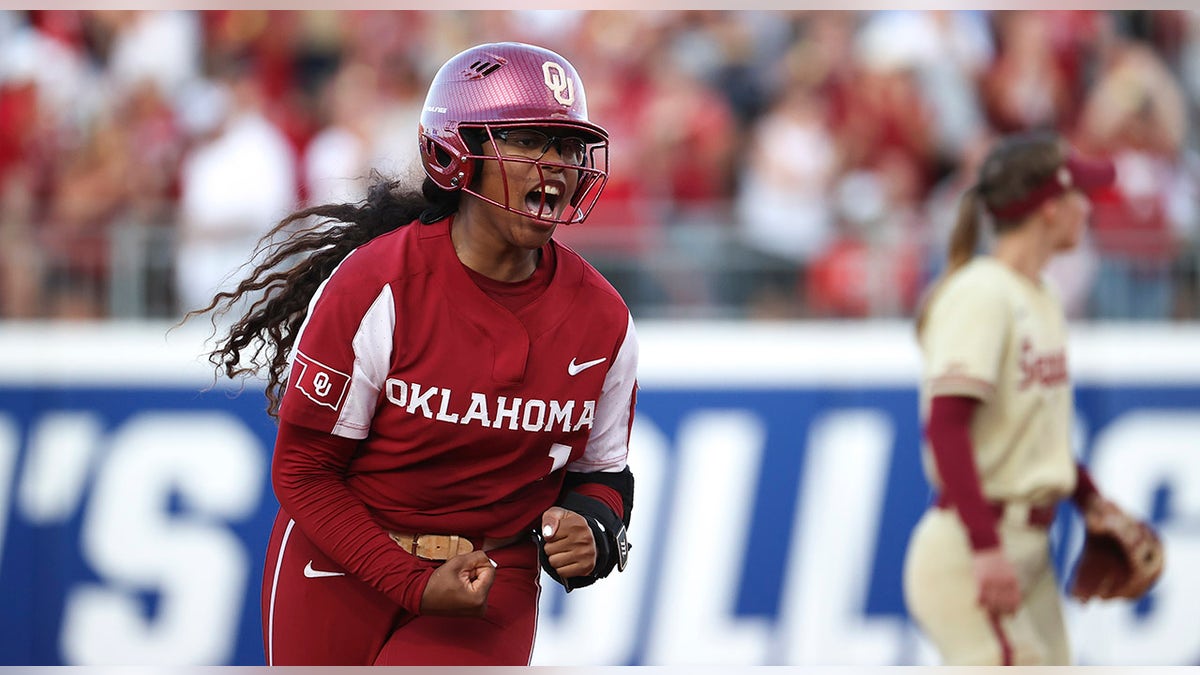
(621, 481)
(612, 546)
(608, 531)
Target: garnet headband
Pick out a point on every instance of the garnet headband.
(1088, 175)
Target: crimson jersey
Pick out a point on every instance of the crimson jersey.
(467, 412)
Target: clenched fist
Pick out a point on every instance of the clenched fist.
(460, 586)
(569, 545)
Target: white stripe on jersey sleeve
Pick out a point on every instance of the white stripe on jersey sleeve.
(372, 345)
(312, 302)
(608, 444)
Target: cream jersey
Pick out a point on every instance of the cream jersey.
(995, 335)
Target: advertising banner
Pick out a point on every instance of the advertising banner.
(778, 479)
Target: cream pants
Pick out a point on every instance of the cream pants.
(941, 594)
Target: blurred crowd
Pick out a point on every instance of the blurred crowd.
(765, 164)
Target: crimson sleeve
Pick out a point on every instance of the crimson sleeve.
(949, 433)
(1085, 487)
(308, 474)
(603, 493)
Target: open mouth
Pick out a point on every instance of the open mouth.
(543, 200)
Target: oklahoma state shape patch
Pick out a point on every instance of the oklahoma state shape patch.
(321, 384)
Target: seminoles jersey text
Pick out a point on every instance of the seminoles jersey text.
(999, 337)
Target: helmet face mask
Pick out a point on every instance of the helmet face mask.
(485, 92)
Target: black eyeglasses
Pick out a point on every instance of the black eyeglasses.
(534, 144)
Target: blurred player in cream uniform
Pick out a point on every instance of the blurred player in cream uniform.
(996, 398)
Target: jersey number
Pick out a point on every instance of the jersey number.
(560, 454)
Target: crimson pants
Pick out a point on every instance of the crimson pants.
(324, 620)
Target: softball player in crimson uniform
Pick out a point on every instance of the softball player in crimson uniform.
(455, 389)
(997, 399)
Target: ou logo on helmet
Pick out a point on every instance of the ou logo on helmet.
(322, 384)
(558, 82)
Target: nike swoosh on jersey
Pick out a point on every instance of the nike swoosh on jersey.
(577, 368)
(317, 574)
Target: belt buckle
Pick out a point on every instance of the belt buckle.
(411, 543)
(434, 547)
(415, 543)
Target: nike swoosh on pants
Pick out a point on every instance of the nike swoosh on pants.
(317, 574)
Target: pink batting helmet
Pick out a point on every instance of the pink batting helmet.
(500, 86)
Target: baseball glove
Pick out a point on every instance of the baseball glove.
(1122, 557)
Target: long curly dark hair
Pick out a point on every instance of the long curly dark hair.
(294, 263)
